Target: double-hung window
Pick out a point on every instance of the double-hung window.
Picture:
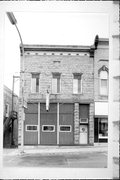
(56, 83)
(104, 83)
(77, 83)
(35, 83)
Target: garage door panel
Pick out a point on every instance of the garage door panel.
(66, 124)
(31, 136)
(48, 125)
(31, 119)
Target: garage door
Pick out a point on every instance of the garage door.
(31, 124)
(48, 125)
(66, 124)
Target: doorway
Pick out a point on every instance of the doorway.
(83, 137)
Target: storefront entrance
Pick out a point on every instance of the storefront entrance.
(83, 138)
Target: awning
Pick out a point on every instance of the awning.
(101, 108)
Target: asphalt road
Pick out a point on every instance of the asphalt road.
(75, 160)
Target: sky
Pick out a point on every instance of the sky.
(51, 28)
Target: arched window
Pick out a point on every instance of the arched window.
(103, 83)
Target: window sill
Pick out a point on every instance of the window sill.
(55, 93)
(103, 95)
(77, 93)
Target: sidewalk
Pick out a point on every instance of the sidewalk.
(49, 150)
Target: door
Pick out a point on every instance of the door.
(48, 124)
(83, 138)
(66, 128)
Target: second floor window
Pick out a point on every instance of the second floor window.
(56, 83)
(104, 83)
(35, 83)
(77, 84)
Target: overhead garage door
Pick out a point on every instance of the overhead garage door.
(66, 124)
(48, 125)
(31, 124)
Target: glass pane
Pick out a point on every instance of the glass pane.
(64, 128)
(75, 86)
(54, 86)
(33, 85)
(48, 128)
(103, 75)
(104, 90)
(103, 127)
(31, 128)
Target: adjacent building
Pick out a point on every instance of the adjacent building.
(63, 86)
(10, 119)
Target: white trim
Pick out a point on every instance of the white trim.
(31, 130)
(84, 122)
(48, 130)
(38, 122)
(65, 126)
(58, 123)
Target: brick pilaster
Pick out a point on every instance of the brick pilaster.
(91, 123)
(76, 123)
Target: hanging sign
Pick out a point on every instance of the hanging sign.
(47, 101)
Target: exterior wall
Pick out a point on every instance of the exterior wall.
(101, 58)
(66, 64)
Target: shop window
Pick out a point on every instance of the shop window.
(56, 83)
(77, 83)
(48, 128)
(35, 83)
(103, 128)
(104, 83)
(65, 128)
(31, 128)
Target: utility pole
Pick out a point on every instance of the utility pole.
(12, 134)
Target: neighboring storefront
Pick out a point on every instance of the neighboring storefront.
(101, 122)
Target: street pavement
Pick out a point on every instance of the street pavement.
(63, 156)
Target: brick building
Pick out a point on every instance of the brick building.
(9, 118)
(59, 84)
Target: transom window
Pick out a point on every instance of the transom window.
(31, 128)
(65, 128)
(48, 128)
(104, 83)
(35, 83)
(77, 83)
(56, 83)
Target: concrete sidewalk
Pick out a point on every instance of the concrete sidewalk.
(47, 150)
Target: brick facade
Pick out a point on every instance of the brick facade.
(66, 61)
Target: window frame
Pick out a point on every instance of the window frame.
(48, 131)
(100, 79)
(81, 82)
(53, 77)
(65, 126)
(36, 83)
(31, 125)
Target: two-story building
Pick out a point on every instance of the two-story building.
(58, 84)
